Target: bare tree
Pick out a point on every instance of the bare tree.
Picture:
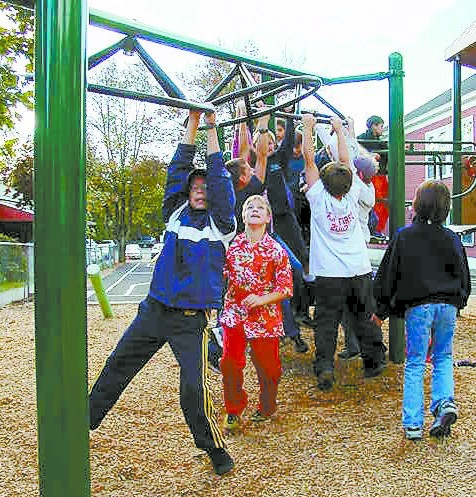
(125, 132)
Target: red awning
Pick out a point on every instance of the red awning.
(13, 214)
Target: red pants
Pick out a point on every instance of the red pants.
(265, 357)
(380, 182)
(381, 210)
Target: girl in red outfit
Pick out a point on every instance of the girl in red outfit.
(259, 277)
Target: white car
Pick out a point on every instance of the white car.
(133, 251)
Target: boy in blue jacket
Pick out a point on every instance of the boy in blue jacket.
(424, 277)
(198, 209)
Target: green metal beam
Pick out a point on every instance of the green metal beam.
(153, 99)
(126, 26)
(378, 76)
(104, 54)
(396, 180)
(60, 252)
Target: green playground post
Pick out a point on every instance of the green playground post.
(456, 216)
(60, 251)
(94, 273)
(396, 183)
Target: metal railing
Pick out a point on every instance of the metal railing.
(16, 269)
(17, 265)
(104, 255)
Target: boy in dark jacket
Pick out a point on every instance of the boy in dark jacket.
(187, 283)
(424, 277)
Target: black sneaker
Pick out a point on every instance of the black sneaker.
(446, 414)
(214, 362)
(348, 355)
(414, 434)
(257, 417)
(304, 319)
(317, 367)
(375, 371)
(325, 380)
(300, 345)
(231, 422)
(221, 460)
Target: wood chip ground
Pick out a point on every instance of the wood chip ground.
(348, 442)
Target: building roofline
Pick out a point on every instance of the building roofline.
(465, 47)
(467, 86)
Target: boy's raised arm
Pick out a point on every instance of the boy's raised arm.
(312, 173)
(180, 166)
(262, 148)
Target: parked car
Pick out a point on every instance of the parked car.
(112, 243)
(146, 241)
(90, 243)
(133, 251)
(156, 249)
(93, 253)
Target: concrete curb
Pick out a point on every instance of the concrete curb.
(13, 295)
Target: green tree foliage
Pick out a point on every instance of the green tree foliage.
(16, 57)
(141, 187)
(19, 176)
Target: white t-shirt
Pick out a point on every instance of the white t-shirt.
(338, 247)
(366, 203)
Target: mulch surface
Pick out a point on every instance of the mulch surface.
(347, 442)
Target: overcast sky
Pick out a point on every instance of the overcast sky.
(333, 39)
(330, 39)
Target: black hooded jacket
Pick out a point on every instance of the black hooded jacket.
(424, 263)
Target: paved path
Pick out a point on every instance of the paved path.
(128, 284)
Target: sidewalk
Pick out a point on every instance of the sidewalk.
(18, 294)
(13, 295)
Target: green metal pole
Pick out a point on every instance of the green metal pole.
(221, 138)
(270, 100)
(457, 180)
(396, 177)
(60, 252)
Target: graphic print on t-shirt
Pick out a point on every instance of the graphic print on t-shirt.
(339, 224)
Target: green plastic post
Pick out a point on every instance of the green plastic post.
(60, 251)
(94, 273)
(396, 181)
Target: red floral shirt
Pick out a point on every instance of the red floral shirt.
(256, 268)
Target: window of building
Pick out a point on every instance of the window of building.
(440, 164)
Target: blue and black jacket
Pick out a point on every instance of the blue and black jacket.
(189, 271)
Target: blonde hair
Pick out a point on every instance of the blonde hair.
(260, 198)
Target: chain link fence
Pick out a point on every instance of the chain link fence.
(17, 267)
(104, 255)
(16, 270)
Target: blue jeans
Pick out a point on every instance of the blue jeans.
(419, 322)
